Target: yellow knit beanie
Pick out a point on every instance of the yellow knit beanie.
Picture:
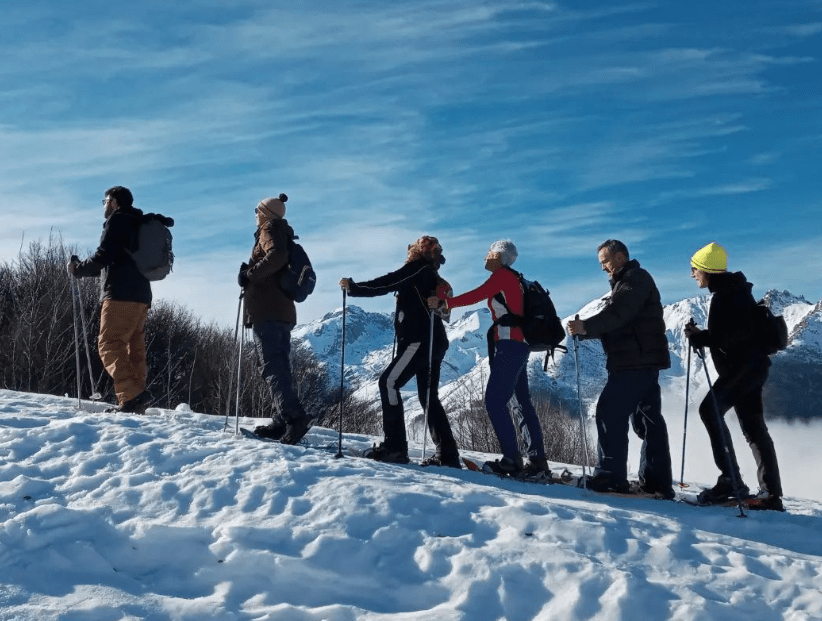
(711, 259)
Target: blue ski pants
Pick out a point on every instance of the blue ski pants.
(509, 377)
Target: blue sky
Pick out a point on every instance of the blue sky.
(555, 124)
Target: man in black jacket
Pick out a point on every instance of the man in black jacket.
(742, 364)
(413, 283)
(126, 297)
(632, 330)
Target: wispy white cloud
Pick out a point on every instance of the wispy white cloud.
(553, 125)
(802, 30)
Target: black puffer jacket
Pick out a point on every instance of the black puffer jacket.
(413, 283)
(731, 333)
(122, 280)
(631, 326)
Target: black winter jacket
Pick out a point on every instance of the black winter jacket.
(122, 280)
(631, 326)
(731, 333)
(413, 283)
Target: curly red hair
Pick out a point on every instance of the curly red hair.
(426, 247)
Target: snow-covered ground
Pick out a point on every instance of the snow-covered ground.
(166, 516)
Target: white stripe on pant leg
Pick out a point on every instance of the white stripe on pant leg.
(402, 364)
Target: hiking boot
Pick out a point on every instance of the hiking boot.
(505, 466)
(275, 430)
(721, 492)
(296, 428)
(605, 483)
(764, 500)
(443, 461)
(387, 454)
(657, 491)
(537, 467)
(138, 404)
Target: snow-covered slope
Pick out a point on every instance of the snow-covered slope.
(795, 389)
(166, 517)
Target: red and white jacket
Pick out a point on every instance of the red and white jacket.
(504, 282)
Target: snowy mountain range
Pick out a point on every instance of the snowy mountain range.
(794, 390)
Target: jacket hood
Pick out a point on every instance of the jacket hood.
(727, 280)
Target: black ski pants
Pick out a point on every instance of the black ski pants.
(743, 392)
(273, 342)
(633, 395)
(411, 360)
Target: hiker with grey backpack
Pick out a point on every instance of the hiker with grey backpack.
(738, 335)
(124, 259)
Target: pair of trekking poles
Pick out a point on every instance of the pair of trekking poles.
(77, 302)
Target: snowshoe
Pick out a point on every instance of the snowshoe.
(382, 453)
(439, 460)
(765, 501)
(505, 466)
(721, 493)
(605, 484)
(537, 468)
(296, 428)
(273, 431)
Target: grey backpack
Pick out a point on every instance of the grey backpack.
(152, 252)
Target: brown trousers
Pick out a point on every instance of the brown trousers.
(122, 346)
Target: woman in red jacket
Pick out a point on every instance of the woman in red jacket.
(508, 357)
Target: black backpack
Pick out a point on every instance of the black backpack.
(152, 253)
(540, 324)
(771, 330)
(298, 278)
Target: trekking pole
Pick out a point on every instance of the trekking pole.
(581, 415)
(230, 377)
(725, 444)
(342, 378)
(95, 395)
(685, 425)
(239, 381)
(76, 340)
(430, 392)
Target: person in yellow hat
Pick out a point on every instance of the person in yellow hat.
(742, 365)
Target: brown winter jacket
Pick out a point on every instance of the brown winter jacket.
(264, 300)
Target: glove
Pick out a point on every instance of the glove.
(692, 334)
(74, 261)
(242, 277)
